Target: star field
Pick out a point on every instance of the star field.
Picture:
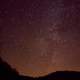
(40, 36)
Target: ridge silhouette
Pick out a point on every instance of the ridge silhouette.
(8, 73)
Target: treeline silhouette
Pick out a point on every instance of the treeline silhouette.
(8, 73)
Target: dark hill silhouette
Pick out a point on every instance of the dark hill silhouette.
(62, 75)
(8, 73)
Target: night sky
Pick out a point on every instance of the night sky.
(40, 36)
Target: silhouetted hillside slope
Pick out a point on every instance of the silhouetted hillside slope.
(62, 75)
(7, 73)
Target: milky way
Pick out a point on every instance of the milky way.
(40, 36)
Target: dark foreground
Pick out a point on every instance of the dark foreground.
(7, 73)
